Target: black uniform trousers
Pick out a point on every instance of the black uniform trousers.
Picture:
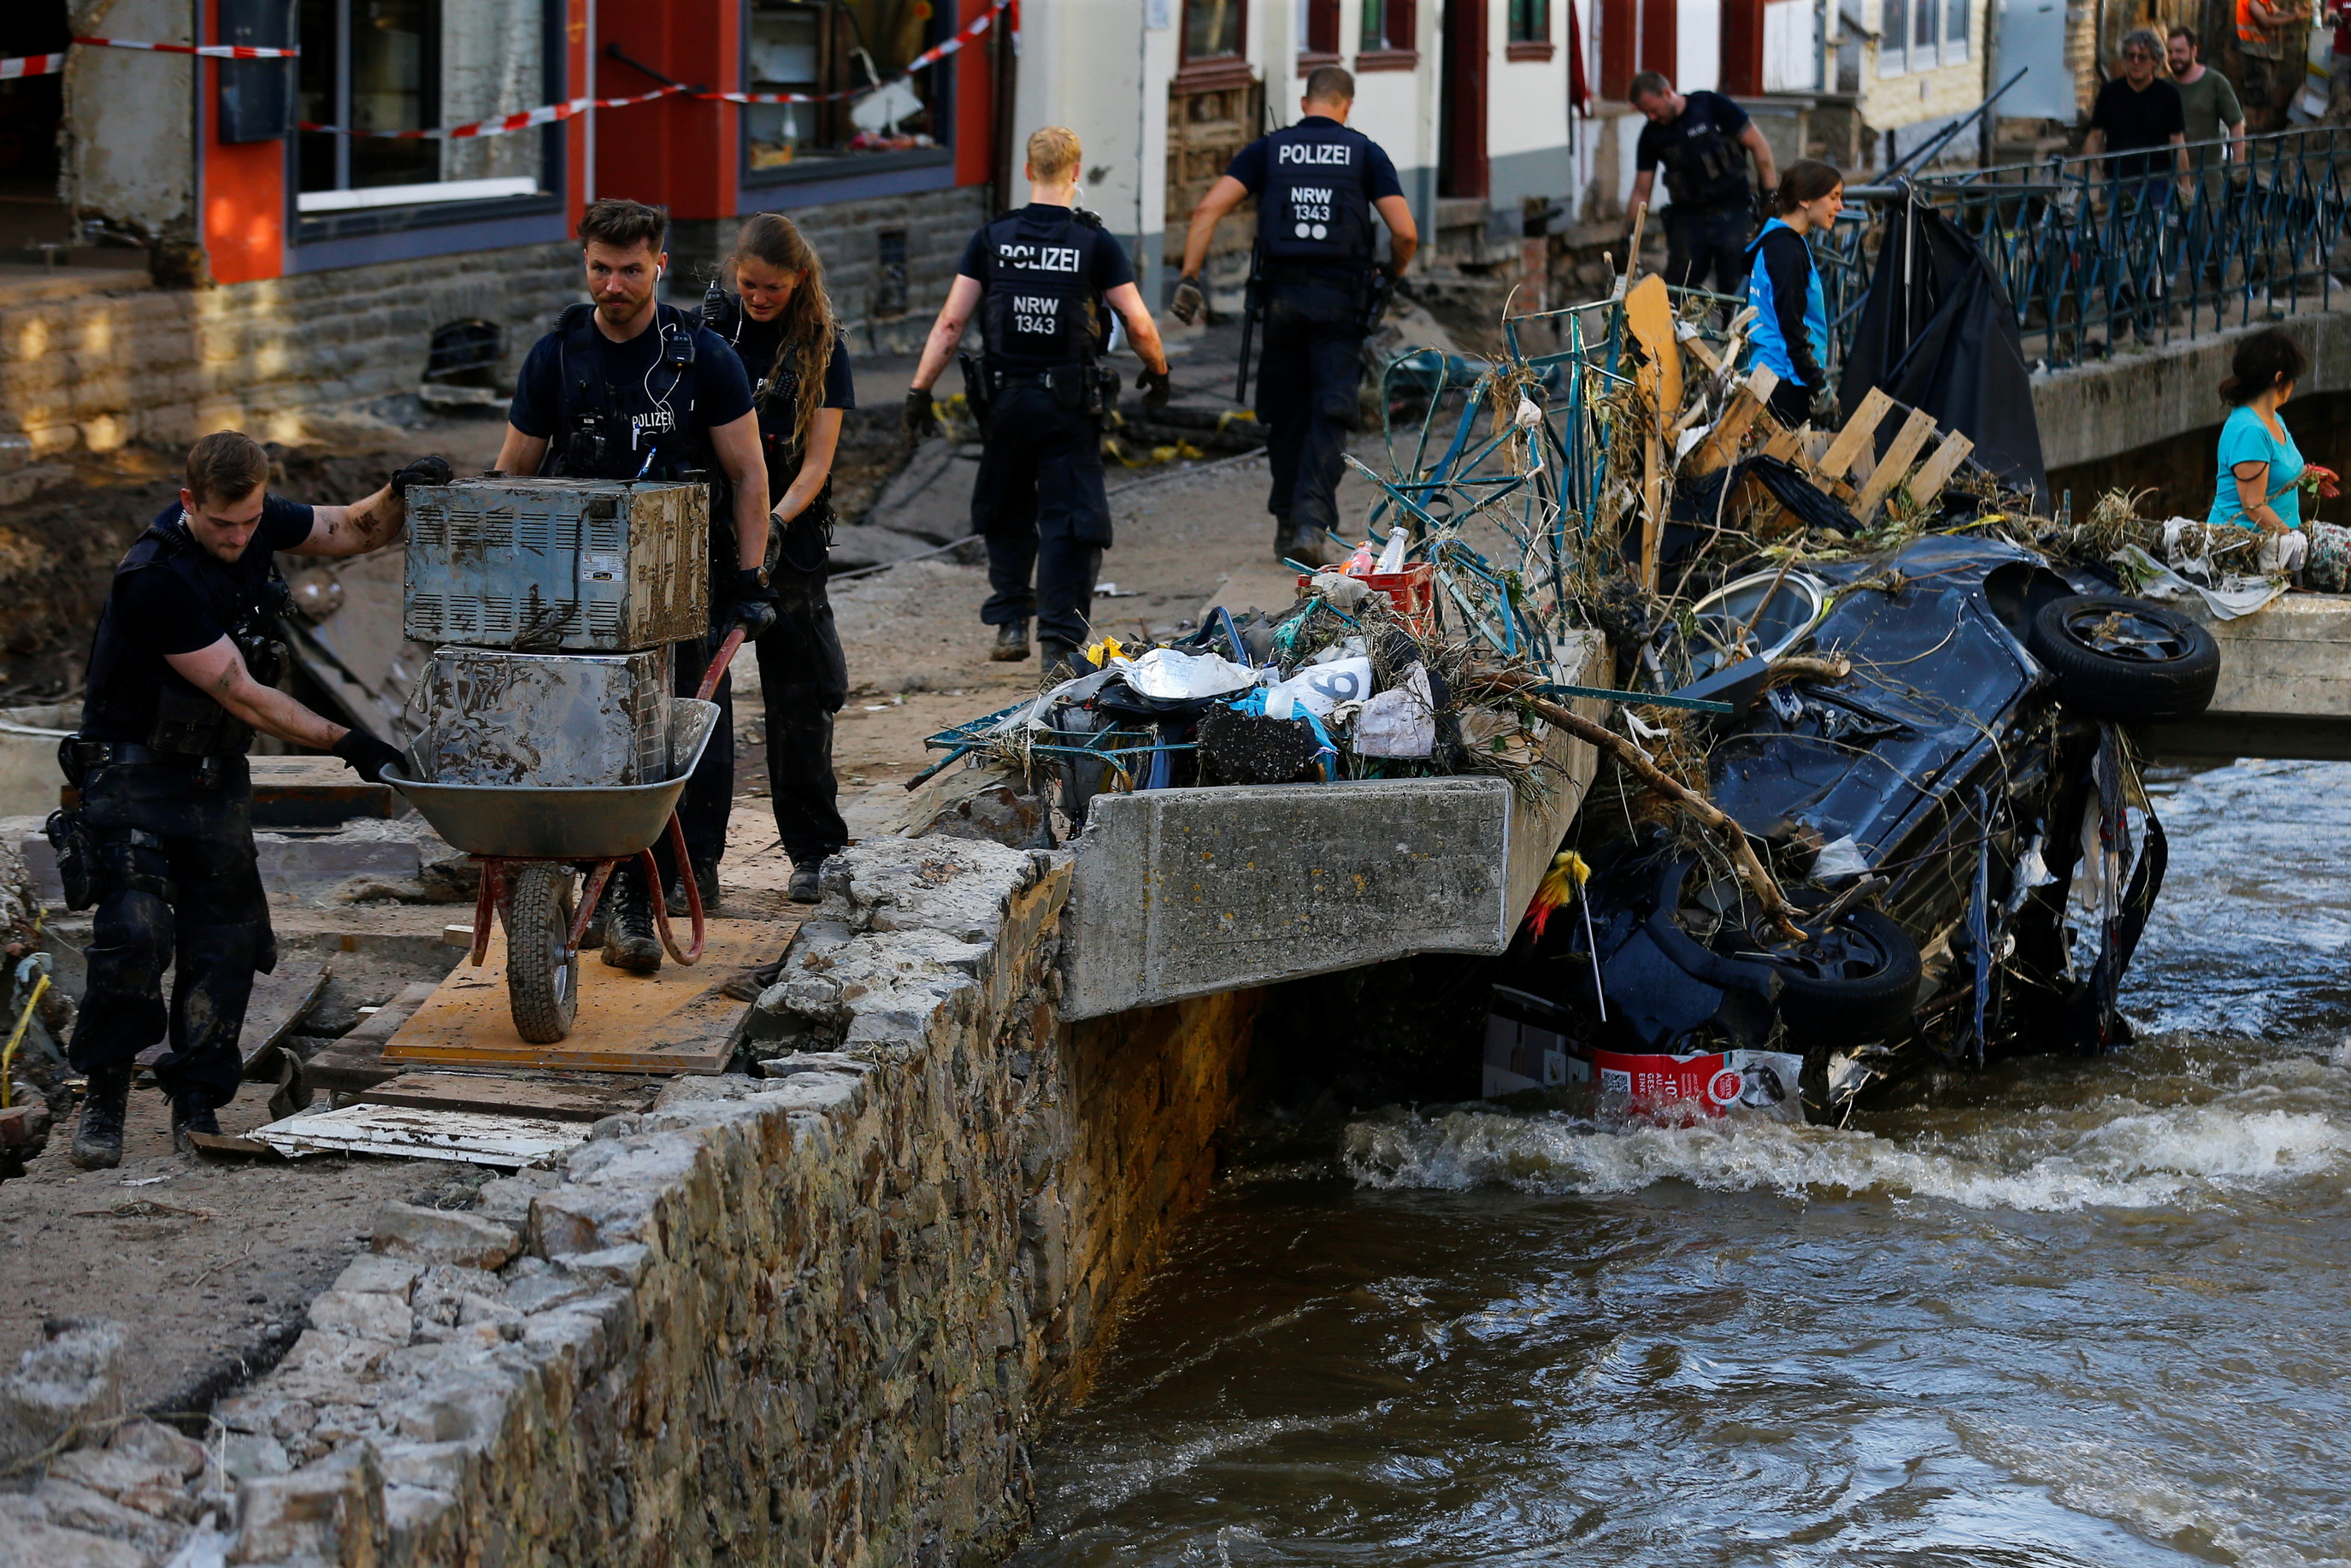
(179, 888)
(1308, 387)
(1039, 502)
(1708, 240)
(803, 681)
(708, 800)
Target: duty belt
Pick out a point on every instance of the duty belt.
(90, 754)
(998, 380)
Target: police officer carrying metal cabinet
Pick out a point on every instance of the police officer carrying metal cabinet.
(627, 388)
(180, 677)
(1040, 279)
(1317, 184)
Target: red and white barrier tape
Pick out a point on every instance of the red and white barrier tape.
(50, 65)
(545, 114)
(973, 30)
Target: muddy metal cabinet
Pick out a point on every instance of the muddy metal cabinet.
(591, 566)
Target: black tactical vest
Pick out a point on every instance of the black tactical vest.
(1040, 312)
(140, 699)
(637, 427)
(1703, 167)
(1313, 207)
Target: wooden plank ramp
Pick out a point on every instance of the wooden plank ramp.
(673, 1021)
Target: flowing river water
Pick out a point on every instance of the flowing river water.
(2065, 1312)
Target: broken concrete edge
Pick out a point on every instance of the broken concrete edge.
(776, 1283)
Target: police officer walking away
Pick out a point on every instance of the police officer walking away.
(1702, 141)
(1040, 279)
(627, 388)
(180, 677)
(1317, 184)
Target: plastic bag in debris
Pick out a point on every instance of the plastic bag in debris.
(1168, 674)
(1344, 648)
(1341, 590)
(1841, 857)
(2232, 595)
(1400, 721)
(1318, 688)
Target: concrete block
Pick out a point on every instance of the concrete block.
(74, 1375)
(331, 1511)
(365, 1314)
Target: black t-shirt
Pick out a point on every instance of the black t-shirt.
(2135, 118)
(710, 393)
(1105, 269)
(756, 343)
(1379, 170)
(178, 606)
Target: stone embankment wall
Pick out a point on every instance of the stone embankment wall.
(808, 1317)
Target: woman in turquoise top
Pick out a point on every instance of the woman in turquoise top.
(1791, 329)
(2262, 470)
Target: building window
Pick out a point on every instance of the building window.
(1388, 36)
(1922, 35)
(859, 46)
(1318, 34)
(417, 65)
(1214, 29)
(1529, 30)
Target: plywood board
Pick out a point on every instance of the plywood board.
(461, 1135)
(675, 1019)
(1650, 317)
(547, 1096)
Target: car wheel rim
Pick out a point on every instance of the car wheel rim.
(1842, 954)
(2127, 634)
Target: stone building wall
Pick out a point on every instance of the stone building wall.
(90, 361)
(809, 1317)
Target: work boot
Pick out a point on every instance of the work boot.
(803, 888)
(192, 1116)
(98, 1142)
(705, 876)
(1061, 659)
(1011, 642)
(1306, 546)
(629, 941)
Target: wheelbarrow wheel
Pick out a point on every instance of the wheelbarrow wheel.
(542, 979)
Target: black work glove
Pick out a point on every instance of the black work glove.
(370, 756)
(424, 471)
(751, 602)
(1188, 299)
(922, 423)
(1823, 408)
(1156, 387)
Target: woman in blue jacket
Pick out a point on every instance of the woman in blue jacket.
(1791, 332)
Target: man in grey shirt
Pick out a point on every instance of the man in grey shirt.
(2208, 101)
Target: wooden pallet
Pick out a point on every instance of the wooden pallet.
(673, 1021)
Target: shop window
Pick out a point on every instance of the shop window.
(859, 47)
(1389, 36)
(415, 64)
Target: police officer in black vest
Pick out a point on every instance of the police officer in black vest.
(1317, 184)
(1042, 280)
(1702, 141)
(181, 676)
(627, 388)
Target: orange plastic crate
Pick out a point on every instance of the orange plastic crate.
(1413, 590)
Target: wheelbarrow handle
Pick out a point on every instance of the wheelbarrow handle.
(718, 663)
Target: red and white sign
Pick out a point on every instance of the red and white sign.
(1704, 1084)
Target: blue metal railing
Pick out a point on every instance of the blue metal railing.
(2098, 253)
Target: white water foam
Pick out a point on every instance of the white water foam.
(2138, 1159)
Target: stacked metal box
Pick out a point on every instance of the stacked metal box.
(556, 602)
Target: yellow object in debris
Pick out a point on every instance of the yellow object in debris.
(1100, 654)
(1558, 888)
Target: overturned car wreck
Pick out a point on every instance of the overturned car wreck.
(1953, 807)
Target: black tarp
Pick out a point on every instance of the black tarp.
(1937, 332)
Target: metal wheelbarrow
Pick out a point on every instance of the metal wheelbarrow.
(532, 841)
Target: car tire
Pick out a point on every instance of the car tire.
(2125, 660)
(1859, 983)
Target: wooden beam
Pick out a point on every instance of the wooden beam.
(1926, 487)
(1649, 318)
(1913, 435)
(1653, 521)
(1722, 443)
(1856, 435)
